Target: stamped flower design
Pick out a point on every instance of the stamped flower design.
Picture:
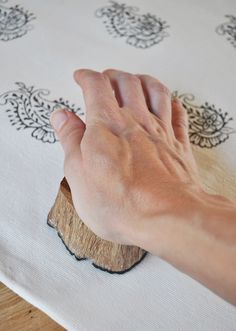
(28, 108)
(141, 31)
(14, 22)
(228, 29)
(208, 126)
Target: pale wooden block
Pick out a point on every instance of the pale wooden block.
(83, 243)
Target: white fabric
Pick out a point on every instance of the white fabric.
(33, 261)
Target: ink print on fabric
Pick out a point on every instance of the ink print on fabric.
(28, 108)
(139, 30)
(208, 126)
(228, 29)
(14, 21)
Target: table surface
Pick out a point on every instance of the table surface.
(16, 314)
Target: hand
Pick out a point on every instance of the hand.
(132, 162)
(134, 179)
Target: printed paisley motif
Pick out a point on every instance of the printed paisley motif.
(208, 126)
(14, 22)
(228, 29)
(28, 108)
(141, 31)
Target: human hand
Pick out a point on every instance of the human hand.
(134, 180)
(131, 165)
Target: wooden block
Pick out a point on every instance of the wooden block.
(83, 243)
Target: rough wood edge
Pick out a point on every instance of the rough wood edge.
(81, 242)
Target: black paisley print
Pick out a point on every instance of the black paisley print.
(208, 126)
(28, 108)
(14, 22)
(141, 31)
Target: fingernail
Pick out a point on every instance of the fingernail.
(58, 118)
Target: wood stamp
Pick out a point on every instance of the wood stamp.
(83, 243)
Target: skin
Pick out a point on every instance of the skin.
(134, 179)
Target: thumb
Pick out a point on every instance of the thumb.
(69, 129)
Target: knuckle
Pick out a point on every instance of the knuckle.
(86, 75)
(109, 71)
(81, 74)
(157, 86)
(123, 76)
(78, 73)
(135, 80)
(141, 76)
(146, 78)
(95, 75)
(133, 133)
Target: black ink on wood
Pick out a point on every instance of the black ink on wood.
(14, 22)
(208, 126)
(228, 29)
(141, 31)
(120, 272)
(28, 108)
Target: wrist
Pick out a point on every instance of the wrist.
(195, 213)
(201, 241)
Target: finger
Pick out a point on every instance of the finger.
(98, 95)
(69, 129)
(128, 91)
(180, 121)
(158, 97)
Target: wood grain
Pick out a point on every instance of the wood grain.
(16, 314)
(83, 243)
